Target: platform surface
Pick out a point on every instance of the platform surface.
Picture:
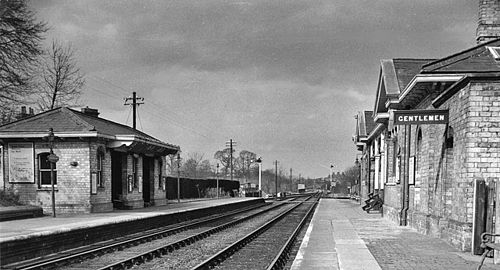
(342, 236)
(46, 225)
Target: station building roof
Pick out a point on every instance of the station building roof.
(364, 126)
(67, 123)
(395, 75)
(445, 76)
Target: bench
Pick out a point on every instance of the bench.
(374, 202)
(20, 212)
(488, 243)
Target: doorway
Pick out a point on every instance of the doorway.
(117, 176)
(147, 174)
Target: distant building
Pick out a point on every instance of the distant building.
(102, 164)
(434, 153)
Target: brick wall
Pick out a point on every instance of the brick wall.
(483, 131)
(441, 201)
(160, 195)
(134, 198)
(101, 202)
(73, 186)
(489, 20)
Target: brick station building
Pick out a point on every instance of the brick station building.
(441, 176)
(102, 164)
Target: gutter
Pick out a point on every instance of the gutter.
(376, 131)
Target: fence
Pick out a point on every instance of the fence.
(200, 188)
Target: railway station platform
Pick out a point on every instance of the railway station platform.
(28, 236)
(46, 225)
(342, 236)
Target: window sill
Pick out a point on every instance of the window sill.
(47, 188)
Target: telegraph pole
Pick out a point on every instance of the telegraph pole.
(291, 183)
(230, 144)
(134, 105)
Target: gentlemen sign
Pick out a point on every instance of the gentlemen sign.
(421, 117)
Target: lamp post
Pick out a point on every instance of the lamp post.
(52, 158)
(217, 176)
(276, 179)
(259, 161)
(178, 178)
(331, 174)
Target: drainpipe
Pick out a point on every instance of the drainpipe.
(406, 185)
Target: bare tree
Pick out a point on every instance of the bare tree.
(223, 156)
(61, 81)
(191, 166)
(20, 46)
(246, 159)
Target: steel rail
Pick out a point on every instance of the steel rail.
(281, 259)
(157, 252)
(97, 249)
(229, 250)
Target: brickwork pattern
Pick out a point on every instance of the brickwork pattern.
(134, 199)
(73, 186)
(441, 201)
(160, 195)
(101, 202)
(489, 20)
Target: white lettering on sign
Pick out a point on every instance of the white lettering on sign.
(421, 117)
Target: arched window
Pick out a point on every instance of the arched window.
(44, 170)
(100, 158)
(395, 153)
(418, 148)
(449, 137)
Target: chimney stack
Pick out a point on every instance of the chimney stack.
(488, 27)
(24, 113)
(90, 111)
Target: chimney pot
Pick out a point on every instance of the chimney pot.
(90, 111)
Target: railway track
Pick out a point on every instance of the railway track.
(267, 247)
(120, 250)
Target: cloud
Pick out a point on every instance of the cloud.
(282, 77)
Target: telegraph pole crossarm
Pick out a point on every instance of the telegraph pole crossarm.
(136, 101)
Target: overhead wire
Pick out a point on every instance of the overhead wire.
(129, 112)
(152, 113)
(160, 107)
(140, 122)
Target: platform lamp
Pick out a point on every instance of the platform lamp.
(52, 158)
(217, 176)
(178, 177)
(331, 173)
(259, 161)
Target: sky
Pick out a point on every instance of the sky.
(281, 78)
